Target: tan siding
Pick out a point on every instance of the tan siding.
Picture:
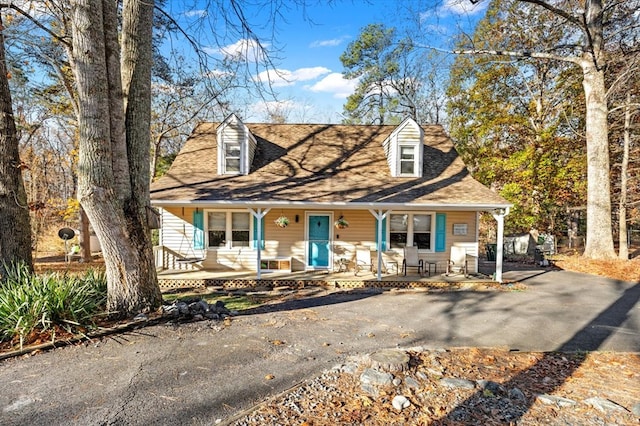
(290, 241)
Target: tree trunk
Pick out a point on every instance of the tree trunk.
(15, 227)
(623, 252)
(599, 244)
(137, 61)
(105, 198)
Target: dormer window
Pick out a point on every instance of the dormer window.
(407, 160)
(404, 150)
(236, 147)
(232, 157)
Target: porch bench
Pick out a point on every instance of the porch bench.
(273, 264)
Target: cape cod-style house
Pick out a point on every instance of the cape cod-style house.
(264, 197)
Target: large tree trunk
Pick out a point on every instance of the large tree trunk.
(15, 227)
(104, 184)
(623, 248)
(599, 244)
(136, 66)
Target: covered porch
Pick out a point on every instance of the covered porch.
(230, 280)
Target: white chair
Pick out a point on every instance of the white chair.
(363, 260)
(411, 260)
(457, 261)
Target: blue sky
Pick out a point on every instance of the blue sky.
(310, 43)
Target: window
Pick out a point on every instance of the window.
(410, 230)
(398, 227)
(240, 229)
(422, 231)
(217, 229)
(232, 157)
(228, 229)
(407, 160)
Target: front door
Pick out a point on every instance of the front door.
(318, 241)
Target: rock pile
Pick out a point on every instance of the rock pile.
(196, 310)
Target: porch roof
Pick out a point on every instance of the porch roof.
(322, 166)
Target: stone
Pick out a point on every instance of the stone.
(636, 409)
(141, 317)
(411, 383)
(517, 394)
(396, 381)
(375, 377)
(457, 383)
(390, 360)
(400, 402)
(493, 387)
(604, 404)
(557, 400)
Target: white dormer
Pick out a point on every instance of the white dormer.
(404, 149)
(236, 147)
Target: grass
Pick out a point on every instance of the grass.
(234, 303)
(44, 303)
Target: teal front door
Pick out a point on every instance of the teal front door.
(318, 240)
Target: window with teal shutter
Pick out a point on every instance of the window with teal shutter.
(383, 246)
(198, 229)
(441, 232)
(254, 243)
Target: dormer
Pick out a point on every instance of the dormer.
(404, 149)
(236, 147)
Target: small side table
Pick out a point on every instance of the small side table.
(343, 265)
(429, 266)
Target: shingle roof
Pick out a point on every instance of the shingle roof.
(320, 163)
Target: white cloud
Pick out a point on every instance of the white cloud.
(329, 43)
(197, 13)
(462, 7)
(455, 7)
(282, 78)
(335, 83)
(244, 49)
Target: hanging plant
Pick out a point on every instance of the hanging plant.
(341, 223)
(282, 221)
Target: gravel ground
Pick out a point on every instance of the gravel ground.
(496, 387)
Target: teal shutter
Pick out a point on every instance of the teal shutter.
(383, 246)
(441, 232)
(254, 243)
(198, 229)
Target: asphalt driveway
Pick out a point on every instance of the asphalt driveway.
(202, 373)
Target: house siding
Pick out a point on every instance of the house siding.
(290, 241)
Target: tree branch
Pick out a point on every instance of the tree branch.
(22, 12)
(517, 54)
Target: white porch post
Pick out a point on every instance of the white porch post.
(380, 216)
(258, 214)
(499, 215)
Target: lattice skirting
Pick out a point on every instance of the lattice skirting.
(230, 284)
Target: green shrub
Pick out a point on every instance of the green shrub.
(31, 302)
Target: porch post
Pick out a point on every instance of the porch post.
(380, 216)
(258, 214)
(499, 215)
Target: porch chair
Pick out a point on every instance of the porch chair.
(457, 261)
(363, 260)
(411, 260)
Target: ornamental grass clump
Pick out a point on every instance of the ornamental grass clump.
(33, 304)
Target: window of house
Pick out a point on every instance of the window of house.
(422, 231)
(232, 157)
(408, 229)
(407, 160)
(217, 229)
(240, 229)
(228, 229)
